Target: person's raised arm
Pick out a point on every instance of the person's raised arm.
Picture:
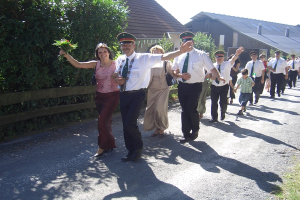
(75, 63)
(185, 47)
(236, 55)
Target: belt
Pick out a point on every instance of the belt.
(134, 91)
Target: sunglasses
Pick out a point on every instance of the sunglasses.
(187, 39)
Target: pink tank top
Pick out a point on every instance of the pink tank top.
(105, 83)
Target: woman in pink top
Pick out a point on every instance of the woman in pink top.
(107, 93)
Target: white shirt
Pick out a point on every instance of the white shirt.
(139, 76)
(198, 61)
(281, 65)
(258, 67)
(297, 65)
(224, 71)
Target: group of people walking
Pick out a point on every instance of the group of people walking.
(124, 82)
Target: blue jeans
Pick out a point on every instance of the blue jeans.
(244, 98)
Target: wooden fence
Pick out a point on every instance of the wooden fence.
(18, 97)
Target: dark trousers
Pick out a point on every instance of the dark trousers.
(283, 84)
(188, 95)
(130, 106)
(232, 94)
(106, 103)
(276, 79)
(292, 78)
(216, 93)
(256, 89)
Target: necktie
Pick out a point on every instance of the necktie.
(125, 70)
(219, 69)
(185, 65)
(252, 69)
(275, 65)
(293, 64)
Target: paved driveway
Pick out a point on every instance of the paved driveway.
(242, 157)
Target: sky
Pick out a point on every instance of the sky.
(266, 10)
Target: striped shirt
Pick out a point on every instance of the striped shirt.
(246, 84)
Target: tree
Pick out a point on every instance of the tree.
(166, 44)
(204, 42)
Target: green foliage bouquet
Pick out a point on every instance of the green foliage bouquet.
(65, 45)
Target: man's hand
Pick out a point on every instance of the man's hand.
(186, 76)
(221, 79)
(286, 77)
(262, 81)
(186, 46)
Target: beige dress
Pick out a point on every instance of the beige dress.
(156, 115)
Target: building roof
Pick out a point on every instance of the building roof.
(272, 34)
(148, 19)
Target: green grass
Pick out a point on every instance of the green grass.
(291, 186)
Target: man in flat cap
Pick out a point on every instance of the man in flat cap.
(189, 69)
(219, 89)
(256, 71)
(277, 66)
(132, 74)
(294, 68)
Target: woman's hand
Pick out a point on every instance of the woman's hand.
(120, 80)
(61, 52)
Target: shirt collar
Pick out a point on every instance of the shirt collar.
(131, 56)
(193, 50)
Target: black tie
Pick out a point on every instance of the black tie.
(185, 65)
(219, 69)
(276, 65)
(252, 69)
(125, 70)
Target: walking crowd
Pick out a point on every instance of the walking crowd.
(124, 81)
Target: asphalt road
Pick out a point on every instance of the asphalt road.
(241, 157)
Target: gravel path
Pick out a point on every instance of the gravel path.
(238, 158)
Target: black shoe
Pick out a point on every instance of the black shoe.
(240, 112)
(272, 97)
(99, 155)
(136, 155)
(222, 116)
(194, 135)
(128, 157)
(213, 120)
(185, 140)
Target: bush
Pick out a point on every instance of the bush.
(29, 61)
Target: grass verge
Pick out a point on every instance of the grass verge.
(291, 187)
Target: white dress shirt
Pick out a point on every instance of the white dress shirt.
(281, 65)
(296, 64)
(258, 67)
(198, 61)
(139, 76)
(224, 71)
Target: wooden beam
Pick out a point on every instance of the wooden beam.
(18, 97)
(9, 119)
